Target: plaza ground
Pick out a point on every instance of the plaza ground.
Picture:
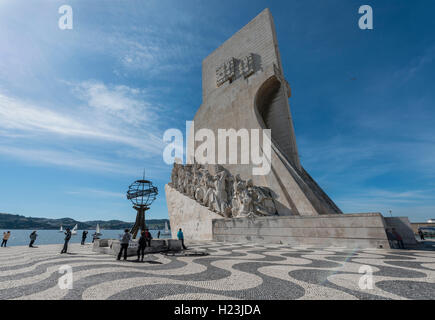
(229, 271)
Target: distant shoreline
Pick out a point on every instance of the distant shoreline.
(18, 222)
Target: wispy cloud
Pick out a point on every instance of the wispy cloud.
(63, 159)
(97, 192)
(119, 101)
(410, 70)
(109, 122)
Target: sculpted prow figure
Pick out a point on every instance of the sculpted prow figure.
(223, 193)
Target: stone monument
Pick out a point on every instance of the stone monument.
(245, 91)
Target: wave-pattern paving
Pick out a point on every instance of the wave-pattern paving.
(229, 271)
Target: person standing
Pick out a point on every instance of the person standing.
(421, 234)
(124, 244)
(84, 235)
(148, 237)
(6, 236)
(142, 245)
(158, 235)
(398, 238)
(67, 239)
(33, 236)
(180, 236)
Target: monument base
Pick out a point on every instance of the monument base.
(364, 230)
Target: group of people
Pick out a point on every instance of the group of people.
(68, 235)
(146, 237)
(34, 235)
(144, 241)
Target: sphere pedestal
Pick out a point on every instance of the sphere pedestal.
(140, 220)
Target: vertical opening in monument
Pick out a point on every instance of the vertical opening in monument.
(267, 97)
(273, 113)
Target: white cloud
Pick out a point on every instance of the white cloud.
(64, 159)
(111, 125)
(97, 192)
(112, 115)
(120, 101)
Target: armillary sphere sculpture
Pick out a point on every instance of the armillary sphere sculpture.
(141, 193)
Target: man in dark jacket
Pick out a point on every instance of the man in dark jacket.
(67, 239)
(142, 243)
(33, 236)
(84, 235)
(94, 237)
(124, 244)
(421, 234)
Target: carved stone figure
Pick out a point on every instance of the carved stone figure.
(263, 202)
(210, 195)
(174, 176)
(246, 204)
(180, 180)
(188, 183)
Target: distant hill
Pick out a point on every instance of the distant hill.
(14, 221)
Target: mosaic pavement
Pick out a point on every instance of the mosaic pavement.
(230, 271)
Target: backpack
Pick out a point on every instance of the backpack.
(125, 238)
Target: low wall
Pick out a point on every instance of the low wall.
(156, 246)
(364, 230)
(112, 246)
(103, 245)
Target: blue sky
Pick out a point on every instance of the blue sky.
(83, 111)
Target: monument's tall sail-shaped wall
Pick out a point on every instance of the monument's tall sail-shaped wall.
(244, 88)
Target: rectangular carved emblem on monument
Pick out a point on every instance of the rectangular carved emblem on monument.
(246, 65)
(227, 70)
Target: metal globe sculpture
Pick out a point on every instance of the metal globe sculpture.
(142, 194)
